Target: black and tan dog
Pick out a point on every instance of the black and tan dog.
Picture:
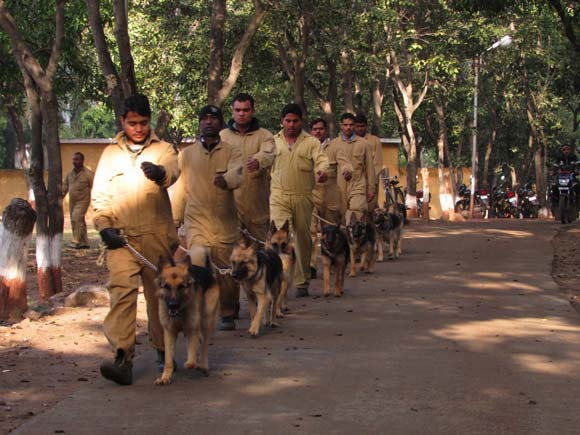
(389, 226)
(189, 303)
(280, 241)
(259, 272)
(361, 240)
(335, 252)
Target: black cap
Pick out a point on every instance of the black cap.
(211, 109)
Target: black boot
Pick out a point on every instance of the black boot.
(313, 272)
(302, 292)
(120, 370)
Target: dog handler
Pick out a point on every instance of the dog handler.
(257, 147)
(326, 196)
(355, 162)
(130, 200)
(299, 160)
(204, 201)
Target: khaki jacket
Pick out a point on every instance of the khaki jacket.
(124, 198)
(327, 195)
(377, 151)
(293, 172)
(252, 197)
(79, 185)
(208, 212)
(355, 157)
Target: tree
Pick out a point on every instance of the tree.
(39, 86)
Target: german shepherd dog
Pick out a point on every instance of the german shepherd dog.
(389, 226)
(280, 241)
(335, 252)
(259, 272)
(361, 240)
(189, 303)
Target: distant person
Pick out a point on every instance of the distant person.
(298, 165)
(78, 184)
(131, 205)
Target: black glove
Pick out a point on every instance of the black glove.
(154, 172)
(112, 238)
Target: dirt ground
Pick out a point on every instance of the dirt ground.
(43, 361)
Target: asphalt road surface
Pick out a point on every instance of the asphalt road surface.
(466, 333)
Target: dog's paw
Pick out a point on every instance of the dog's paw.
(326, 294)
(204, 371)
(338, 294)
(280, 314)
(189, 365)
(163, 380)
(273, 325)
(253, 332)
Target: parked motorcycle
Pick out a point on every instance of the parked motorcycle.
(528, 204)
(480, 201)
(420, 202)
(504, 202)
(567, 198)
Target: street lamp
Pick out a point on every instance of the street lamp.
(506, 41)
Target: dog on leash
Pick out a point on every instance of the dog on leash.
(188, 303)
(259, 272)
(389, 226)
(335, 252)
(280, 241)
(361, 240)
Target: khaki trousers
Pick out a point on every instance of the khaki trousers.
(126, 275)
(220, 257)
(78, 210)
(297, 209)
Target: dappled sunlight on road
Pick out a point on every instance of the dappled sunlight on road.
(272, 386)
(516, 337)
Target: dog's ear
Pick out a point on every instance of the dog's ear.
(245, 239)
(165, 261)
(286, 226)
(273, 227)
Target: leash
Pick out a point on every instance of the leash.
(132, 250)
(140, 256)
(221, 270)
(247, 233)
(324, 220)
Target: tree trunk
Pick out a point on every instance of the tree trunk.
(377, 97)
(489, 149)
(128, 80)
(426, 195)
(15, 232)
(446, 193)
(327, 101)
(216, 50)
(38, 82)
(347, 82)
(113, 82)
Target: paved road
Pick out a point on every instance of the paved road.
(465, 334)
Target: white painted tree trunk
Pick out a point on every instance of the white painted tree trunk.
(15, 233)
(48, 260)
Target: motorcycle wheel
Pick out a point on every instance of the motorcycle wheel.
(563, 209)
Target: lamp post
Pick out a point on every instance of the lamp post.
(506, 41)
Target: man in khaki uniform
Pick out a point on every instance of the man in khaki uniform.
(355, 162)
(78, 184)
(299, 160)
(360, 128)
(326, 196)
(130, 196)
(257, 147)
(204, 201)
